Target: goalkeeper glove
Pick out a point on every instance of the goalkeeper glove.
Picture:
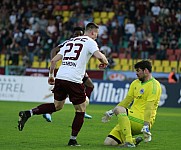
(146, 133)
(107, 116)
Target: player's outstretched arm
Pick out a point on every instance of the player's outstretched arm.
(102, 58)
(54, 51)
(147, 115)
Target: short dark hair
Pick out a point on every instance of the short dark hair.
(78, 29)
(91, 25)
(144, 64)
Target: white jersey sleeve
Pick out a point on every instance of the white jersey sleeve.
(76, 53)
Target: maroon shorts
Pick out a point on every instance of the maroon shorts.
(64, 88)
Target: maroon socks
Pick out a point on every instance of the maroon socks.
(44, 108)
(77, 123)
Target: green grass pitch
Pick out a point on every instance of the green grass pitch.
(41, 135)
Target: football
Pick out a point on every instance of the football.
(102, 66)
(51, 81)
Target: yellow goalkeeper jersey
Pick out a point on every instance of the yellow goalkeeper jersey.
(141, 95)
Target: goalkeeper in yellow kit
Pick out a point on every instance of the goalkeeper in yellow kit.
(136, 113)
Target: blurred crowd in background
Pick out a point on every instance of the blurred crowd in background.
(138, 29)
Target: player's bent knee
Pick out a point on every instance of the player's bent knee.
(119, 109)
(110, 142)
(59, 104)
(58, 107)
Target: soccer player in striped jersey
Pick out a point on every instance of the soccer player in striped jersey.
(136, 113)
(68, 81)
(89, 86)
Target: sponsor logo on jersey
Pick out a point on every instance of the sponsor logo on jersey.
(141, 91)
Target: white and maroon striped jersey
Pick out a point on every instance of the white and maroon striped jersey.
(76, 53)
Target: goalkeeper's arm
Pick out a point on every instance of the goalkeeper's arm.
(148, 111)
(147, 117)
(124, 103)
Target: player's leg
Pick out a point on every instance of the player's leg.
(125, 125)
(59, 96)
(88, 84)
(48, 116)
(87, 115)
(89, 88)
(41, 109)
(77, 97)
(115, 137)
(77, 123)
(137, 120)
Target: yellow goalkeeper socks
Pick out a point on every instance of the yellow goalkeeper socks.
(125, 126)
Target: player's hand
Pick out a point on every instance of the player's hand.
(51, 80)
(146, 133)
(102, 66)
(107, 116)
